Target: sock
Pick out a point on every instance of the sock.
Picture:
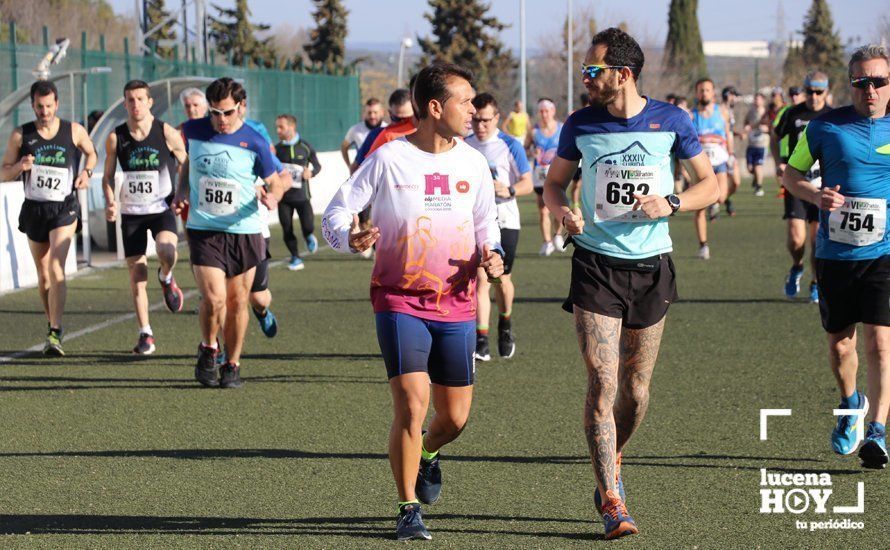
(166, 279)
(402, 504)
(211, 346)
(426, 455)
(482, 330)
(506, 315)
(56, 330)
(702, 243)
(851, 401)
(146, 330)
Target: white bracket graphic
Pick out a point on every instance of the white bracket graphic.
(765, 414)
(860, 502)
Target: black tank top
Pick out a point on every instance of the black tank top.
(56, 154)
(144, 192)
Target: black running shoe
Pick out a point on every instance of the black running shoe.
(429, 481)
(145, 345)
(730, 209)
(230, 376)
(482, 352)
(410, 525)
(206, 371)
(506, 342)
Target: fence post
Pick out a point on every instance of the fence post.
(127, 58)
(45, 36)
(15, 67)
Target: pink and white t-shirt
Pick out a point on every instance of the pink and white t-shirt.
(434, 212)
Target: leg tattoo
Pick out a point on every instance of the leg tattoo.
(639, 350)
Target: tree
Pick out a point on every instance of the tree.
(327, 42)
(684, 55)
(464, 34)
(234, 34)
(155, 14)
(821, 48)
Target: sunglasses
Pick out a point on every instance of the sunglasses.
(478, 120)
(591, 71)
(219, 113)
(811, 91)
(864, 82)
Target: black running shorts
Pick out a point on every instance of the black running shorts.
(135, 229)
(37, 218)
(853, 292)
(234, 253)
(637, 291)
(799, 209)
(509, 242)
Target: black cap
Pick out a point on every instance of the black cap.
(727, 91)
(795, 90)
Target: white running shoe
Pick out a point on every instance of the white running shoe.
(704, 253)
(713, 211)
(547, 249)
(559, 243)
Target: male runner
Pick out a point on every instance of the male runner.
(434, 223)
(516, 123)
(45, 154)
(296, 154)
(757, 132)
(357, 133)
(622, 275)
(777, 107)
(224, 224)
(852, 146)
(542, 141)
(147, 150)
(194, 103)
(512, 177)
(802, 217)
(733, 174)
(715, 137)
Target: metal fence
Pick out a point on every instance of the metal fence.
(325, 105)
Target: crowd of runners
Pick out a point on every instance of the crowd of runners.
(432, 198)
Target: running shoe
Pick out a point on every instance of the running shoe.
(53, 344)
(597, 499)
(173, 297)
(713, 211)
(758, 191)
(547, 249)
(295, 264)
(559, 243)
(730, 209)
(482, 352)
(874, 451)
(814, 293)
(506, 341)
(230, 376)
(792, 281)
(206, 370)
(145, 345)
(268, 322)
(844, 436)
(616, 520)
(429, 481)
(704, 253)
(311, 244)
(410, 525)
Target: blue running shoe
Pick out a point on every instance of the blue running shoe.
(597, 499)
(312, 244)
(429, 481)
(268, 322)
(616, 520)
(874, 451)
(410, 523)
(844, 436)
(814, 293)
(295, 264)
(792, 281)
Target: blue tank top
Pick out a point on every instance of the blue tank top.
(546, 146)
(713, 125)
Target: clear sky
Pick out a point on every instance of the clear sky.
(382, 21)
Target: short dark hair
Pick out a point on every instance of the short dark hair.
(372, 101)
(399, 97)
(288, 117)
(137, 85)
(585, 99)
(483, 100)
(222, 88)
(701, 81)
(43, 88)
(621, 50)
(432, 83)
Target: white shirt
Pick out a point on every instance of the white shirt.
(507, 162)
(358, 132)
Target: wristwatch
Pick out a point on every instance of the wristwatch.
(89, 172)
(512, 191)
(673, 202)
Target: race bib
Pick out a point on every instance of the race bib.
(615, 190)
(296, 173)
(141, 188)
(716, 152)
(814, 174)
(541, 174)
(859, 222)
(48, 183)
(218, 196)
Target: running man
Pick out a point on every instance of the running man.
(802, 217)
(512, 177)
(194, 104)
(224, 226)
(147, 150)
(852, 146)
(542, 141)
(715, 137)
(357, 133)
(757, 132)
(296, 154)
(779, 147)
(622, 274)
(45, 154)
(733, 174)
(434, 223)
(516, 123)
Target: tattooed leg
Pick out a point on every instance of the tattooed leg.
(598, 338)
(639, 349)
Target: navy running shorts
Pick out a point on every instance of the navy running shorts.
(755, 155)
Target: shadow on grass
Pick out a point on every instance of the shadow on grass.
(112, 357)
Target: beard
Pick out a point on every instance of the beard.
(704, 102)
(603, 98)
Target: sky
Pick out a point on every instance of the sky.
(387, 21)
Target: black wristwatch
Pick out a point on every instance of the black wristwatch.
(512, 191)
(89, 172)
(673, 202)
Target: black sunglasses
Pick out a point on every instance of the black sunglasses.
(863, 82)
(811, 91)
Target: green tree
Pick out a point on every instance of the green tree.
(684, 55)
(233, 33)
(155, 14)
(465, 34)
(327, 42)
(821, 48)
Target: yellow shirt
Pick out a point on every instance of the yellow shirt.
(517, 124)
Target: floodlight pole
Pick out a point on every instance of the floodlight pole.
(569, 44)
(523, 86)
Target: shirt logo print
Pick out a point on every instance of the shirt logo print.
(437, 181)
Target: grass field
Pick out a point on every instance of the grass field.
(102, 449)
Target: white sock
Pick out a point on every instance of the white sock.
(146, 330)
(206, 345)
(165, 278)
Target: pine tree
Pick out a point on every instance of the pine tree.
(464, 34)
(822, 46)
(683, 48)
(156, 13)
(327, 42)
(233, 33)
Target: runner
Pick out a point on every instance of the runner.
(852, 146)
(757, 133)
(802, 217)
(194, 104)
(714, 135)
(296, 154)
(622, 275)
(516, 123)
(512, 177)
(357, 133)
(147, 150)
(45, 154)
(734, 177)
(542, 141)
(219, 178)
(779, 147)
(434, 223)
